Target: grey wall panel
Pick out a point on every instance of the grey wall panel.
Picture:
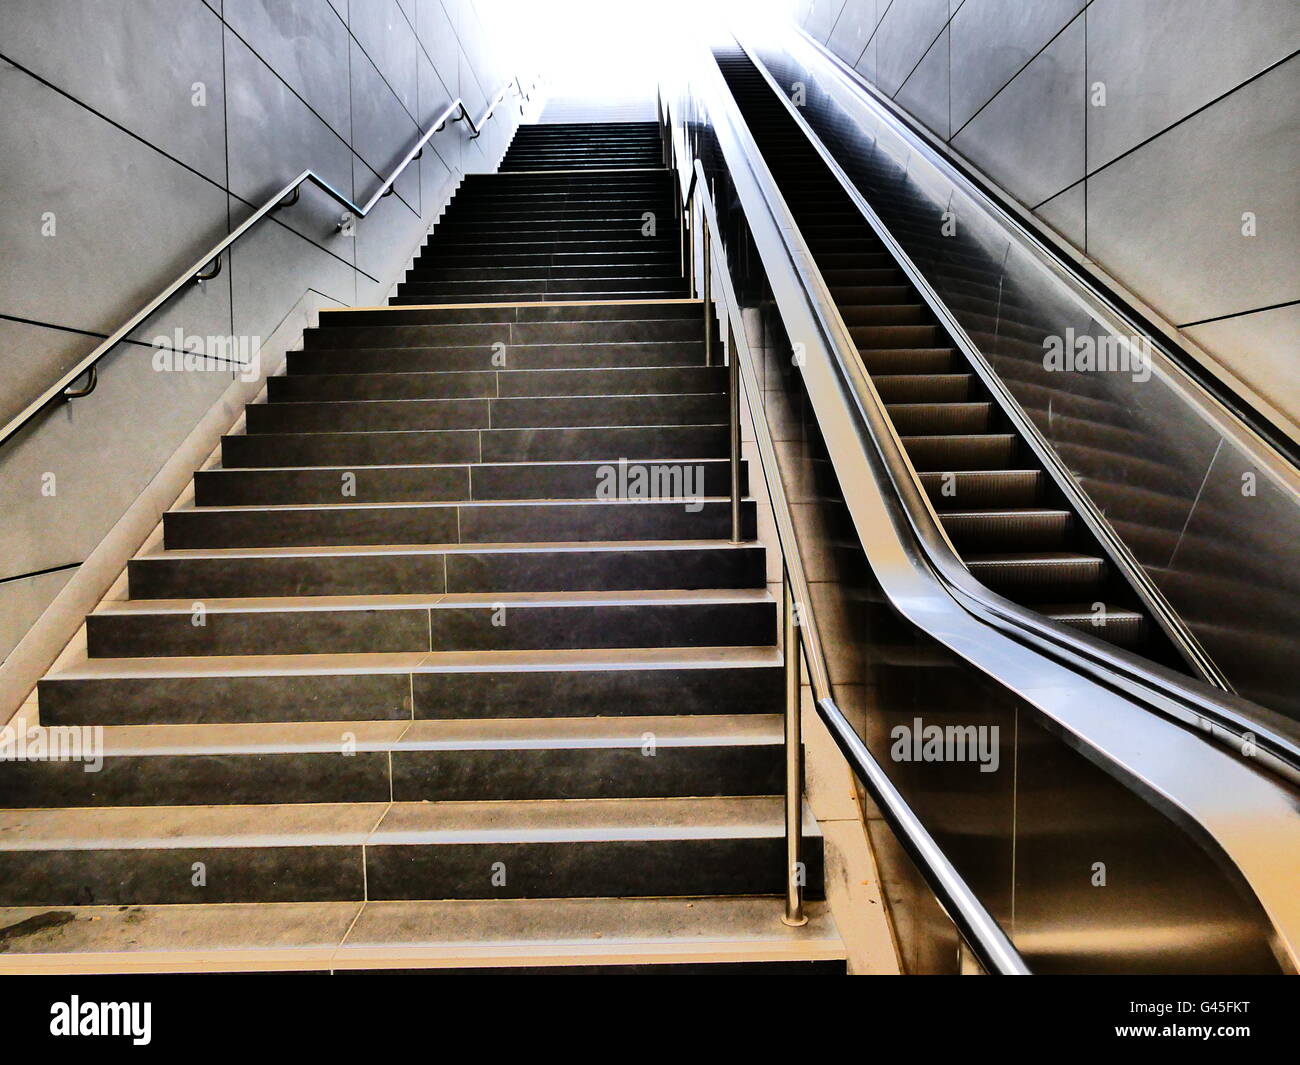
(1162, 59)
(906, 31)
(382, 29)
(22, 601)
(275, 135)
(1030, 136)
(1185, 192)
(100, 453)
(822, 16)
(1260, 348)
(306, 44)
(854, 27)
(435, 94)
(925, 92)
(384, 131)
(1166, 221)
(386, 237)
(438, 39)
(1065, 213)
(297, 88)
(272, 268)
(111, 249)
(992, 40)
(136, 63)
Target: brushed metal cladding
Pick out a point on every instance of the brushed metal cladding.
(1085, 862)
(1156, 456)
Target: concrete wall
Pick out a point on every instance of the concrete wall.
(1198, 127)
(135, 134)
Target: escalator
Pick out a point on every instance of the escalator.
(1006, 518)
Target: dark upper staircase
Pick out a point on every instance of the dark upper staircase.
(402, 668)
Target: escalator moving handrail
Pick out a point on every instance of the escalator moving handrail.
(1237, 723)
(88, 364)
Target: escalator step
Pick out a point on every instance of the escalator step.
(984, 488)
(1114, 624)
(984, 530)
(1031, 573)
(915, 419)
(984, 451)
(923, 388)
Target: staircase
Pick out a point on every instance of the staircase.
(401, 686)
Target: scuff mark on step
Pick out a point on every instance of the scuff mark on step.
(40, 922)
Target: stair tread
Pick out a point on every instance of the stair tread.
(459, 932)
(649, 597)
(394, 823)
(577, 546)
(432, 734)
(504, 661)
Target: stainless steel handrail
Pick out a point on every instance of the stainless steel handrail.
(985, 937)
(1232, 721)
(1116, 550)
(286, 196)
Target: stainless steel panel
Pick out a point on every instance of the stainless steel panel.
(136, 63)
(1162, 59)
(307, 45)
(1184, 194)
(992, 40)
(1138, 444)
(1029, 139)
(905, 32)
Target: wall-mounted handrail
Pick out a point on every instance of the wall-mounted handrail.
(977, 927)
(199, 271)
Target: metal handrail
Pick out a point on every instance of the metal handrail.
(1116, 550)
(285, 197)
(1227, 718)
(977, 927)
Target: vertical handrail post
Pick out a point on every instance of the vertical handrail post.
(707, 287)
(794, 873)
(733, 416)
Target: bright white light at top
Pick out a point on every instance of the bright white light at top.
(610, 48)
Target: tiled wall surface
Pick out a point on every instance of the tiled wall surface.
(135, 134)
(1198, 128)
